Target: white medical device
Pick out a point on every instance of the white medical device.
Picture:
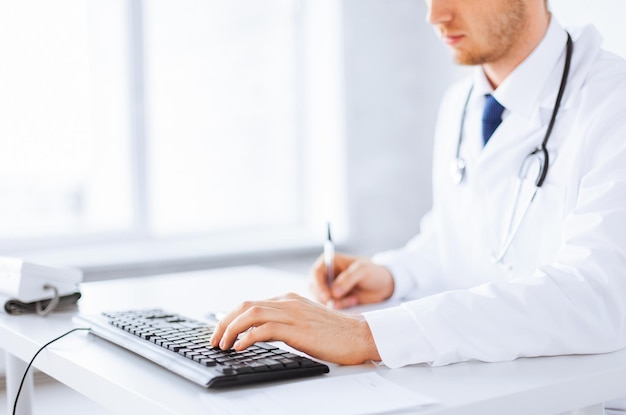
(29, 282)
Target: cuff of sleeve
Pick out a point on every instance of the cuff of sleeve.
(399, 337)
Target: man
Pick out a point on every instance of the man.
(558, 281)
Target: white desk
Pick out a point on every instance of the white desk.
(125, 383)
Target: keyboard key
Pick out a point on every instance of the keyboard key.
(304, 362)
(258, 367)
(288, 363)
(191, 354)
(265, 346)
(226, 370)
(271, 363)
(208, 362)
(175, 347)
(240, 369)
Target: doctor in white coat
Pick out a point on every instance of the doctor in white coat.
(524, 250)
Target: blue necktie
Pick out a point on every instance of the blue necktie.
(492, 117)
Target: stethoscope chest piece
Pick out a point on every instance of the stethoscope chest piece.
(457, 170)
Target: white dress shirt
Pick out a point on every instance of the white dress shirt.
(563, 289)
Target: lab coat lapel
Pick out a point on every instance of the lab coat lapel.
(510, 143)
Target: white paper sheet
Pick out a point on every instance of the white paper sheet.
(367, 393)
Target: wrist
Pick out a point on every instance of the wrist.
(369, 351)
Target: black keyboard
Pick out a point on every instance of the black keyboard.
(187, 340)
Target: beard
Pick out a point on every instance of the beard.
(499, 34)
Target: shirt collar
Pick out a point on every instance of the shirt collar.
(521, 90)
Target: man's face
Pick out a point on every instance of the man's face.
(478, 31)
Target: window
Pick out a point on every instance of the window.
(128, 121)
(64, 151)
(222, 113)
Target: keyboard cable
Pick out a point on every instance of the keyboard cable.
(17, 395)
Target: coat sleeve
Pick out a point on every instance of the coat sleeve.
(415, 267)
(576, 305)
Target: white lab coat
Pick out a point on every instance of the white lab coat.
(565, 292)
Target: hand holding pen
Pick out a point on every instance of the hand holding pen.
(343, 281)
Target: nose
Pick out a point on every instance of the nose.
(438, 11)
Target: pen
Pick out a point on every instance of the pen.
(329, 260)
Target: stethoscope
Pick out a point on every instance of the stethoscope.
(539, 155)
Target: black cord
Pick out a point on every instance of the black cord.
(33, 359)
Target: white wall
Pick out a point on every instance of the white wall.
(609, 17)
(396, 71)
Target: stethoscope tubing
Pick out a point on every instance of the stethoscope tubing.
(540, 153)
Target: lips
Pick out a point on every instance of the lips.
(451, 36)
(452, 40)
